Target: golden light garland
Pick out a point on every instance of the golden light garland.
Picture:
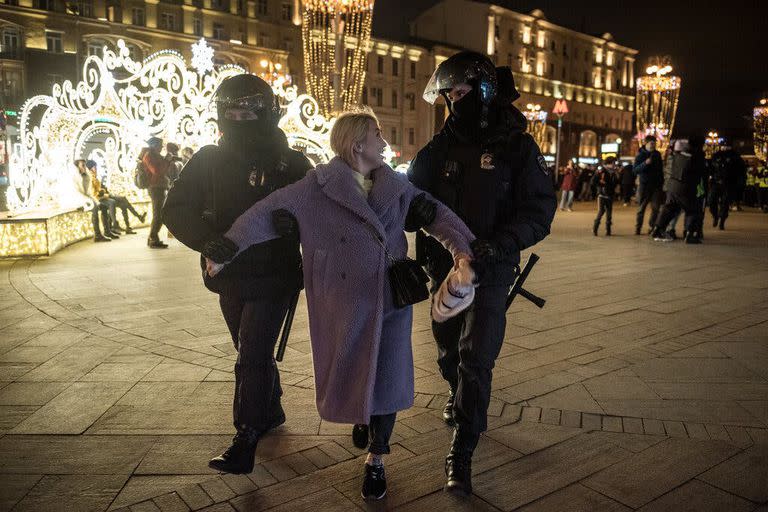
(335, 37)
(760, 119)
(712, 144)
(657, 98)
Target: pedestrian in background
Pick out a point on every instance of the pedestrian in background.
(568, 186)
(605, 181)
(627, 178)
(157, 167)
(649, 169)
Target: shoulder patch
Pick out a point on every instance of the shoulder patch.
(543, 165)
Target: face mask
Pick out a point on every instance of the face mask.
(244, 132)
(468, 109)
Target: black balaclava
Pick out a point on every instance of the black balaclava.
(468, 110)
(242, 133)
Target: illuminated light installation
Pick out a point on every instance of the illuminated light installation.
(537, 122)
(657, 97)
(336, 35)
(108, 117)
(712, 144)
(760, 119)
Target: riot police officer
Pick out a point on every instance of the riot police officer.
(218, 184)
(727, 179)
(484, 167)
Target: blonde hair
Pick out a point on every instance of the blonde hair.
(350, 127)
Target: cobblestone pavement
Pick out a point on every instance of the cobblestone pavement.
(643, 384)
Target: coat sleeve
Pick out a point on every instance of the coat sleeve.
(536, 208)
(447, 227)
(640, 165)
(183, 209)
(420, 170)
(255, 224)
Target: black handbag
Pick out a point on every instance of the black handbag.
(407, 279)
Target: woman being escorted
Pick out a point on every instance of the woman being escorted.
(347, 212)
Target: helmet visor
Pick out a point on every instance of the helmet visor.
(447, 76)
(252, 103)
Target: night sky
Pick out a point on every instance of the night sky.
(719, 49)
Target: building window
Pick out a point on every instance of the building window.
(551, 70)
(541, 39)
(379, 96)
(218, 31)
(511, 35)
(411, 101)
(380, 65)
(394, 99)
(11, 43)
(527, 35)
(54, 42)
(552, 46)
(411, 136)
(509, 59)
(137, 16)
(134, 53)
(197, 26)
(46, 5)
(588, 143)
(218, 5)
(96, 47)
(286, 11)
(395, 67)
(262, 7)
(393, 139)
(562, 73)
(168, 21)
(365, 95)
(565, 50)
(413, 70)
(609, 58)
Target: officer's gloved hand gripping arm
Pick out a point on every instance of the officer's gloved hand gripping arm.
(534, 212)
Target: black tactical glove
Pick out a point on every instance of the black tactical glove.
(220, 249)
(285, 224)
(487, 252)
(421, 213)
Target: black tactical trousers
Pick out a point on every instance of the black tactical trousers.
(605, 207)
(648, 194)
(255, 326)
(687, 203)
(157, 195)
(468, 346)
(719, 204)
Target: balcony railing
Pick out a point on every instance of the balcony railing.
(11, 53)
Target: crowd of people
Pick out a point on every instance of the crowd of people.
(680, 182)
(161, 171)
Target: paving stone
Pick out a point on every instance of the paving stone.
(591, 421)
(30, 393)
(74, 409)
(218, 507)
(659, 469)
(612, 424)
(299, 463)
(717, 432)
(261, 477)
(695, 496)
(217, 489)
(194, 496)
(318, 457)
(546, 471)
(550, 416)
(72, 454)
(632, 425)
(280, 469)
(739, 436)
(531, 414)
(746, 474)
(531, 437)
(78, 492)
(575, 498)
(170, 502)
(442, 500)
(654, 427)
(330, 500)
(696, 431)
(182, 455)
(635, 443)
(697, 411)
(571, 419)
(14, 487)
(240, 484)
(146, 506)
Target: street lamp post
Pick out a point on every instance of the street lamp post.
(561, 108)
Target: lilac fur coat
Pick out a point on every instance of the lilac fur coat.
(361, 343)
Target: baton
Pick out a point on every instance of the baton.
(517, 287)
(287, 326)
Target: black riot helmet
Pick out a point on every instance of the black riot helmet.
(470, 68)
(250, 93)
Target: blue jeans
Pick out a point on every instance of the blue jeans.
(566, 196)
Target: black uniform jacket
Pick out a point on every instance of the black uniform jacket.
(216, 186)
(498, 184)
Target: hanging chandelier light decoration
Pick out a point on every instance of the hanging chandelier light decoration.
(760, 119)
(537, 123)
(336, 35)
(657, 96)
(712, 144)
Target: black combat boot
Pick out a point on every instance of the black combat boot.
(360, 436)
(448, 408)
(238, 458)
(594, 228)
(458, 464)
